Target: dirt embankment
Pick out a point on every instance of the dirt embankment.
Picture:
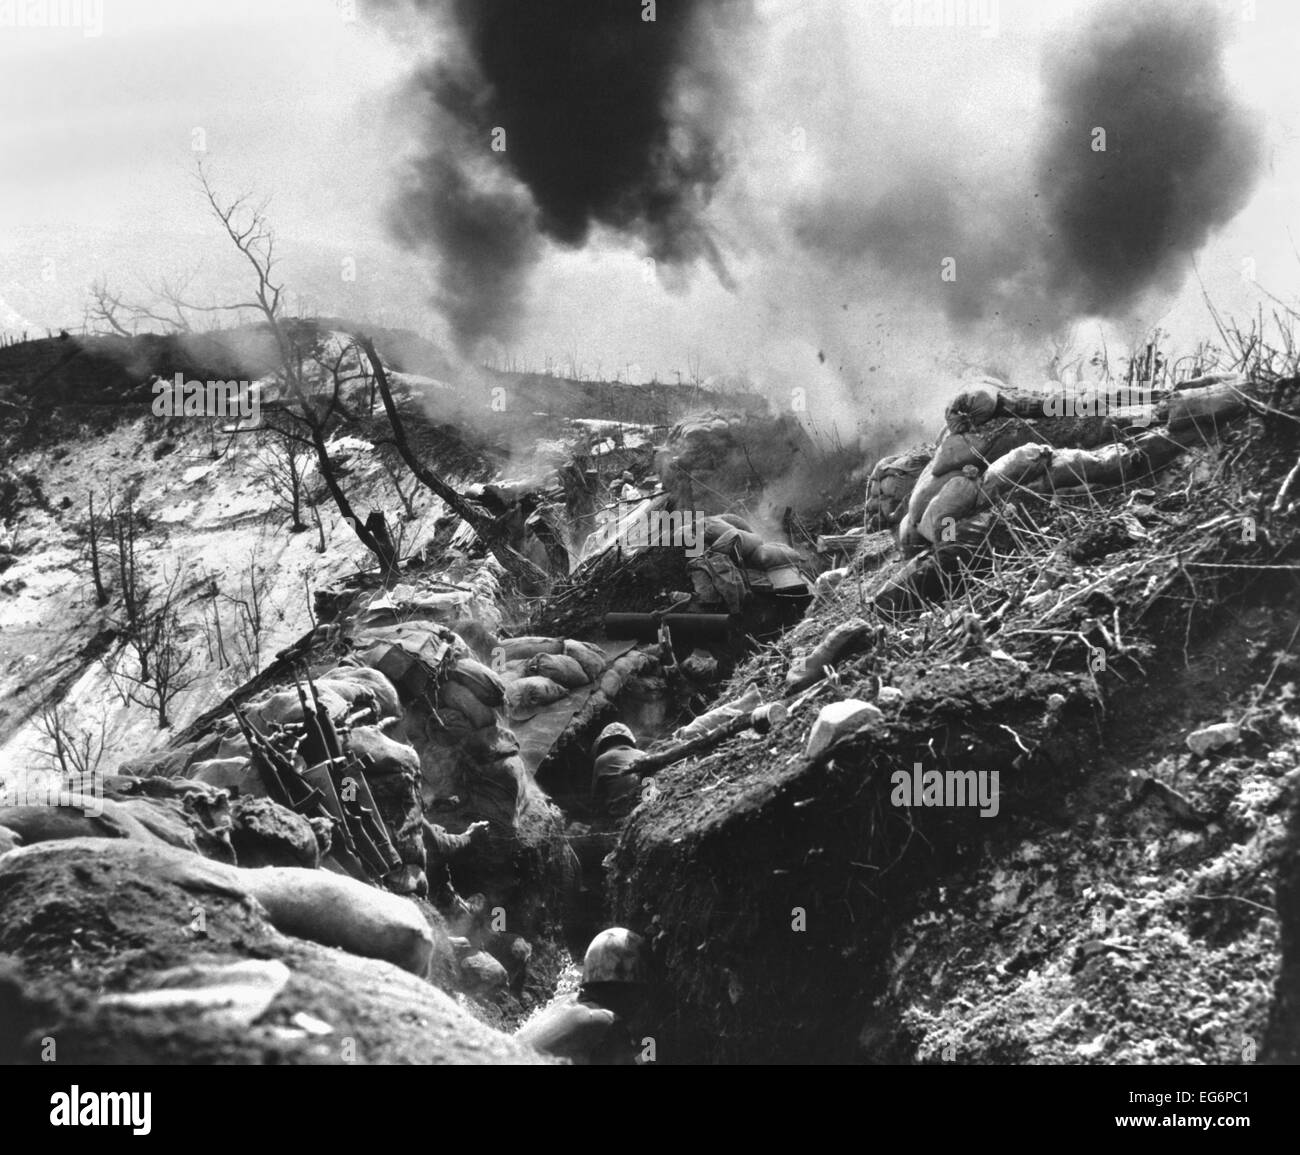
(1118, 907)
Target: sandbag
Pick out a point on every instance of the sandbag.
(335, 910)
(1015, 468)
(845, 638)
(454, 696)
(82, 817)
(285, 706)
(525, 696)
(514, 649)
(479, 680)
(716, 527)
(1204, 408)
(560, 668)
(926, 488)
(746, 545)
(1071, 467)
(589, 657)
(971, 407)
(908, 537)
(957, 500)
(983, 447)
(363, 677)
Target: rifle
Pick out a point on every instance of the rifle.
(368, 826)
(310, 795)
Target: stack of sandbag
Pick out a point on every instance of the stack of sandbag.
(1000, 440)
(390, 767)
(891, 483)
(538, 672)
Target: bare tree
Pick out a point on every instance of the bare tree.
(101, 594)
(133, 585)
(172, 659)
(283, 462)
(248, 230)
(73, 747)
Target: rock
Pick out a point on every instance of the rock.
(839, 719)
(889, 695)
(513, 952)
(1201, 742)
(264, 833)
(700, 666)
(233, 995)
(482, 974)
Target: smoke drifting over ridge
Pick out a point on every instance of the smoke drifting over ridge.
(1085, 224)
(840, 155)
(550, 119)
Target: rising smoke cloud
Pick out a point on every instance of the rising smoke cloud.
(1142, 153)
(832, 157)
(601, 117)
(1181, 155)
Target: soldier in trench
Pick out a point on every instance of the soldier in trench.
(615, 783)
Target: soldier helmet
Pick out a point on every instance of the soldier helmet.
(612, 735)
(614, 956)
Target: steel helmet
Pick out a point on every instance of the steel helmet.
(612, 734)
(614, 956)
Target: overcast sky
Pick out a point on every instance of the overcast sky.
(296, 100)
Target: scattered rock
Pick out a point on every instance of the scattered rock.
(482, 974)
(1201, 742)
(264, 833)
(839, 719)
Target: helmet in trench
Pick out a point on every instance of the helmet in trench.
(612, 735)
(614, 956)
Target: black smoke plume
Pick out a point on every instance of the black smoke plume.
(1078, 231)
(607, 120)
(1181, 156)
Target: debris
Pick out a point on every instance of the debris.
(234, 995)
(1202, 742)
(847, 638)
(482, 974)
(840, 719)
(310, 1023)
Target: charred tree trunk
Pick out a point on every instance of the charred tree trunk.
(519, 567)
